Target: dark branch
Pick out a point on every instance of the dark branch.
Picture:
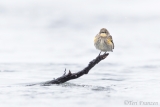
(66, 77)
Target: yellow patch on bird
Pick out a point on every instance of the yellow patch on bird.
(95, 39)
(109, 41)
(103, 35)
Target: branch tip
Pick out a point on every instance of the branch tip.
(69, 73)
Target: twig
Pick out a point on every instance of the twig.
(66, 77)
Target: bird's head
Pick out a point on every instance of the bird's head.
(104, 30)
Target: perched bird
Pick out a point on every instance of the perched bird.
(103, 41)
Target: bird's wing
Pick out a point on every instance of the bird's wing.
(110, 37)
(96, 38)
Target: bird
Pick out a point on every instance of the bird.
(103, 41)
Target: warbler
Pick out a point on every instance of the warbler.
(103, 41)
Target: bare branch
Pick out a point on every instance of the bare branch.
(78, 74)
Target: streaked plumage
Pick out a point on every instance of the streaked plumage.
(103, 41)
